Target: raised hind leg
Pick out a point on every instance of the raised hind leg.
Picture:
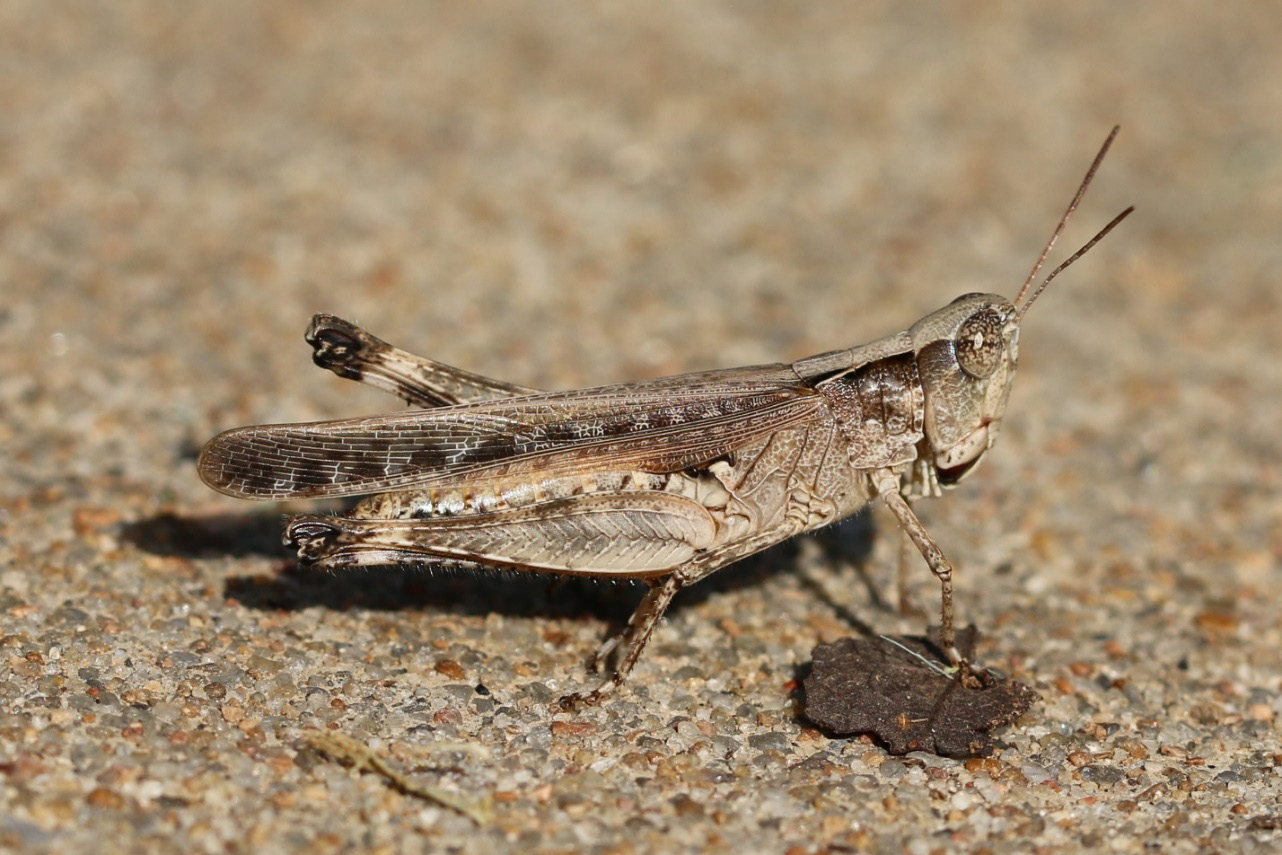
(350, 352)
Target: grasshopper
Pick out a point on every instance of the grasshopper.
(664, 481)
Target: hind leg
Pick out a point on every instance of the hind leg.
(350, 352)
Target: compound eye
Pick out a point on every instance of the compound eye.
(979, 343)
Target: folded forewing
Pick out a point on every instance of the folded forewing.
(661, 426)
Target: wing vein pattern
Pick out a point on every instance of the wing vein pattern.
(665, 425)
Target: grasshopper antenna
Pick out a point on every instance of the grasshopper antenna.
(1019, 315)
(1072, 206)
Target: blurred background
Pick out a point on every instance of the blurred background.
(588, 194)
(564, 194)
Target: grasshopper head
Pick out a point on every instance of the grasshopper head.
(966, 356)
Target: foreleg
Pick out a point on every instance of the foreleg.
(887, 484)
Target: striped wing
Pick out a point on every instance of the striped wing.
(664, 425)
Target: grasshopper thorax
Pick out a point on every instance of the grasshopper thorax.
(966, 355)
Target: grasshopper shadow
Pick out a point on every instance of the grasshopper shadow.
(286, 587)
(216, 535)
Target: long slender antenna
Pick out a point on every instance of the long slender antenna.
(1072, 206)
(1019, 315)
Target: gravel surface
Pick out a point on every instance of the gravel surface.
(564, 194)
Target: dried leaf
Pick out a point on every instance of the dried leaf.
(896, 691)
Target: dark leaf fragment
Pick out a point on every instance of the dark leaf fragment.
(860, 685)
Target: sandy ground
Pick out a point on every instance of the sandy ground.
(565, 194)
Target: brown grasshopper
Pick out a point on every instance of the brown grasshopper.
(665, 481)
